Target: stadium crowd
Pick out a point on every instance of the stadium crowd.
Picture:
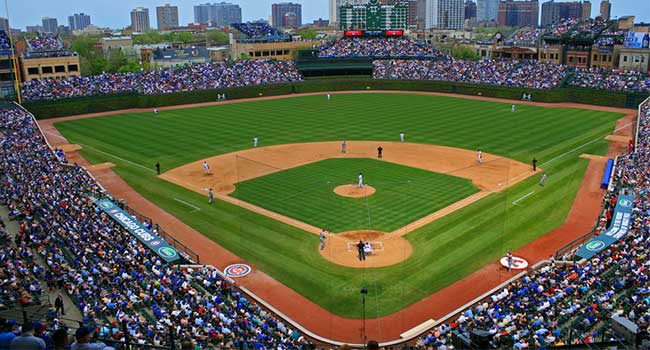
(595, 78)
(573, 302)
(257, 30)
(5, 44)
(44, 42)
(502, 73)
(106, 272)
(527, 35)
(163, 81)
(377, 47)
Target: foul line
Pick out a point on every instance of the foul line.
(522, 198)
(188, 204)
(116, 157)
(588, 143)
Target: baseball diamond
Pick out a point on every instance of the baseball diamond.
(182, 136)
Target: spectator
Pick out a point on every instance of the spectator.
(26, 340)
(82, 337)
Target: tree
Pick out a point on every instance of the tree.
(116, 60)
(183, 37)
(149, 38)
(217, 37)
(131, 66)
(308, 33)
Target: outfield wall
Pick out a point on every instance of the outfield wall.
(96, 104)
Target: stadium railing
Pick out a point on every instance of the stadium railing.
(184, 250)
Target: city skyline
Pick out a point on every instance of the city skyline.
(116, 14)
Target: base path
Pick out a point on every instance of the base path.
(581, 219)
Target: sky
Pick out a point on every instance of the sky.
(116, 13)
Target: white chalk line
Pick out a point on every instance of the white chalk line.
(586, 144)
(188, 204)
(116, 157)
(522, 198)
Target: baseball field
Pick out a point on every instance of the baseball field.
(443, 251)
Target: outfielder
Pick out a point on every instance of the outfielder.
(329, 97)
(360, 181)
(256, 141)
(512, 109)
(401, 137)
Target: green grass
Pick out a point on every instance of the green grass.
(444, 251)
(403, 194)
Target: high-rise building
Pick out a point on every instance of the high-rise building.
(4, 24)
(445, 14)
(487, 10)
(205, 13)
(605, 9)
(78, 21)
(50, 25)
(375, 16)
(283, 11)
(167, 17)
(221, 14)
(140, 20)
(553, 12)
(470, 9)
(227, 14)
(518, 13)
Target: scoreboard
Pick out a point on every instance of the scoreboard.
(360, 33)
(374, 17)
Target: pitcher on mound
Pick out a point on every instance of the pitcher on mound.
(360, 180)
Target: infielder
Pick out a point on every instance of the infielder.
(542, 180)
(256, 141)
(479, 156)
(401, 137)
(322, 239)
(210, 196)
(360, 181)
(206, 168)
(344, 147)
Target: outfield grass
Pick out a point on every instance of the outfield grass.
(306, 193)
(445, 251)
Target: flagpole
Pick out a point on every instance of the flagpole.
(14, 56)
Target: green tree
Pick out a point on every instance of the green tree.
(116, 60)
(308, 33)
(183, 37)
(131, 66)
(148, 38)
(217, 37)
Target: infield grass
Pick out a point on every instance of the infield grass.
(444, 251)
(306, 193)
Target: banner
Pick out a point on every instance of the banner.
(137, 229)
(621, 222)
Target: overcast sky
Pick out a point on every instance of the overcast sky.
(115, 13)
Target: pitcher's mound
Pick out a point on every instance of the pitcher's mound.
(352, 191)
(387, 249)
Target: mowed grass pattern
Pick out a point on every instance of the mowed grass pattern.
(306, 193)
(444, 251)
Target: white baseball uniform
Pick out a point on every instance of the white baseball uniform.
(360, 183)
(401, 136)
(480, 157)
(256, 141)
(206, 168)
